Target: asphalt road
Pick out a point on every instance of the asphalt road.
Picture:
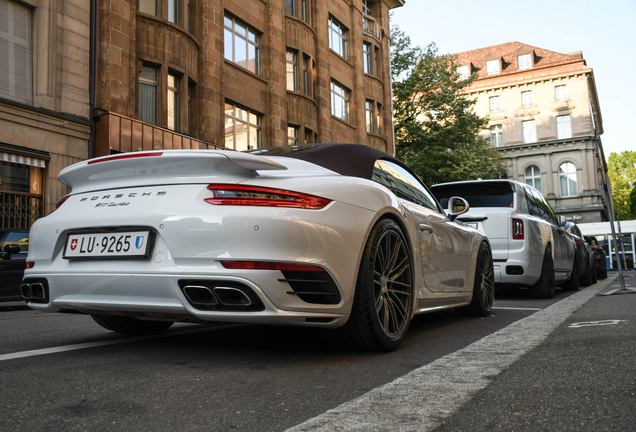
(64, 372)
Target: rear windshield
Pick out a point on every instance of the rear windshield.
(478, 195)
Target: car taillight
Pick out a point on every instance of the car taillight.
(259, 265)
(124, 156)
(260, 196)
(29, 264)
(517, 229)
(578, 242)
(61, 201)
(597, 248)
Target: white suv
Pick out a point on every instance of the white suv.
(529, 245)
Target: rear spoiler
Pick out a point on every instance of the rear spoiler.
(163, 167)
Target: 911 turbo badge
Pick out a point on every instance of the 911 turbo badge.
(119, 196)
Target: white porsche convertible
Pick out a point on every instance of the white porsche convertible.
(330, 235)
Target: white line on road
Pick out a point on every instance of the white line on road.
(64, 348)
(422, 399)
(516, 308)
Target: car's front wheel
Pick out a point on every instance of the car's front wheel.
(383, 299)
(131, 325)
(484, 287)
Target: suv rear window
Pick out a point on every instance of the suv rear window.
(478, 195)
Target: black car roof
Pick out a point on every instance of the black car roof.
(356, 160)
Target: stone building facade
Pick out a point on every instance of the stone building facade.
(242, 74)
(44, 103)
(545, 119)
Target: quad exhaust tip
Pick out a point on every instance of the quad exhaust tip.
(227, 296)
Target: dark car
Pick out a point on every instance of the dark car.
(600, 258)
(587, 273)
(14, 246)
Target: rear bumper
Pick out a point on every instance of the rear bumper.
(161, 297)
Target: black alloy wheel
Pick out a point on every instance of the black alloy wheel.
(484, 287)
(382, 305)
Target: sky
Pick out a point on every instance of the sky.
(604, 30)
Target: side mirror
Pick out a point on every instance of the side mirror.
(562, 221)
(8, 250)
(457, 206)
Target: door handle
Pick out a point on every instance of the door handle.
(426, 227)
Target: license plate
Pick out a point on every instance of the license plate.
(108, 245)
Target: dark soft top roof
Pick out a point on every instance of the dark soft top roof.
(355, 160)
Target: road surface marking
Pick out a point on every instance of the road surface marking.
(422, 399)
(517, 308)
(64, 348)
(595, 323)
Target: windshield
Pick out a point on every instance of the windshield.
(485, 194)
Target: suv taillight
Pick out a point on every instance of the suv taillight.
(517, 229)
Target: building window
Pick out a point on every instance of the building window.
(496, 136)
(309, 136)
(173, 102)
(173, 11)
(495, 104)
(337, 37)
(307, 81)
(366, 52)
(367, 8)
(150, 7)
(560, 93)
(148, 95)
(192, 107)
(567, 177)
(242, 128)
(242, 45)
(369, 115)
(16, 53)
(378, 119)
(292, 135)
(533, 177)
(375, 61)
(463, 72)
(298, 9)
(492, 67)
(292, 71)
(529, 131)
(339, 101)
(524, 61)
(527, 99)
(564, 127)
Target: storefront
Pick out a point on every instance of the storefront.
(22, 179)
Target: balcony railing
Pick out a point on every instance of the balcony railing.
(19, 211)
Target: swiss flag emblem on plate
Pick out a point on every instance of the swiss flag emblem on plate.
(73, 244)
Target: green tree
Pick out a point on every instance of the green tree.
(622, 172)
(436, 130)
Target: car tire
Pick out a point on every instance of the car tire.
(572, 284)
(383, 299)
(131, 325)
(602, 274)
(484, 286)
(594, 273)
(586, 279)
(544, 288)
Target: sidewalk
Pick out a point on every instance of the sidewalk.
(581, 378)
